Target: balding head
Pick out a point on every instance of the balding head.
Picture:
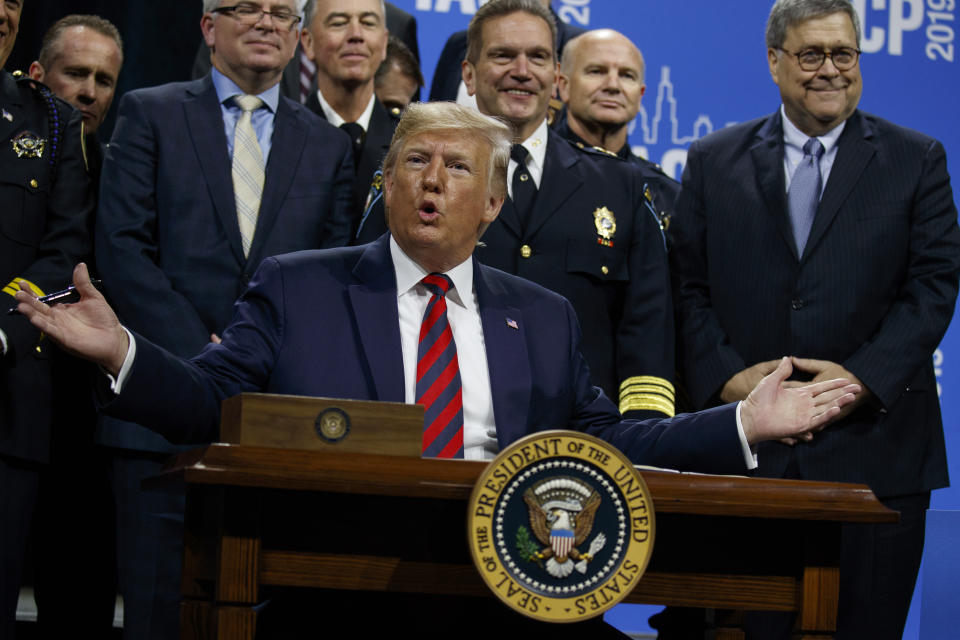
(601, 80)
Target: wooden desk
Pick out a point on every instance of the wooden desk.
(259, 518)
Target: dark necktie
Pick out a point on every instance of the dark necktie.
(438, 376)
(524, 188)
(804, 194)
(356, 133)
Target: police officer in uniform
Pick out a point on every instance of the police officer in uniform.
(602, 82)
(44, 230)
(579, 221)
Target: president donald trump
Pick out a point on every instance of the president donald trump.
(413, 317)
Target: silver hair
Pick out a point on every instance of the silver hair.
(788, 13)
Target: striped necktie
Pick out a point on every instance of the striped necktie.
(248, 171)
(438, 376)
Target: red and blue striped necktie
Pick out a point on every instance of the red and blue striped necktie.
(438, 376)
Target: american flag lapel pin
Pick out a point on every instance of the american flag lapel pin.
(513, 324)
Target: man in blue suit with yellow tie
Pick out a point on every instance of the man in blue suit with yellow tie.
(828, 234)
(201, 182)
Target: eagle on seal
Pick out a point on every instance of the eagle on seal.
(563, 524)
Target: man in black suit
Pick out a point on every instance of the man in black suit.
(201, 182)
(601, 84)
(447, 80)
(44, 227)
(347, 40)
(828, 234)
(578, 221)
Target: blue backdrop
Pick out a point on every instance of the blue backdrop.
(707, 68)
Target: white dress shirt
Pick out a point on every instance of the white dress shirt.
(479, 428)
(336, 120)
(536, 146)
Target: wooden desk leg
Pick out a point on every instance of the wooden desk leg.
(818, 607)
(238, 566)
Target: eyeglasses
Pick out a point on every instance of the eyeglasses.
(249, 14)
(812, 59)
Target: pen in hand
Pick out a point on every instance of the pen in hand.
(58, 297)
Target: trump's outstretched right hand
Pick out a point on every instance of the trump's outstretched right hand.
(88, 328)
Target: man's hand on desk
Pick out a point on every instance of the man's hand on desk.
(774, 411)
(88, 328)
(739, 386)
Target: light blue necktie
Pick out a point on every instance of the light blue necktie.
(803, 196)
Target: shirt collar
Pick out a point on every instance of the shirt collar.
(227, 89)
(409, 274)
(793, 137)
(536, 145)
(334, 118)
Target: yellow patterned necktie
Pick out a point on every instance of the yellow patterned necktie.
(248, 171)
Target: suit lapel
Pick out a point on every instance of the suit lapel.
(560, 179)
(374, 302)
(767, 153)
(376, 142)
(504, 337)
(286, 147)
(205, 122)
(855, 149)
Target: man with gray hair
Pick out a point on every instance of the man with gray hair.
(828, 234)
(347, 40)
(202, 181)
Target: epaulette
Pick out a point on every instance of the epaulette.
(597, 151)
(57, 115)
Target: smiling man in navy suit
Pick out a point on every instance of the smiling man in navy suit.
(829, 234)
(198, 188)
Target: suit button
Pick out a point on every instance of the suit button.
(604, 270)
(526, 251)
(797, 304)
(34, 183)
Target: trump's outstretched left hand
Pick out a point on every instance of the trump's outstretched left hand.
(773, 411)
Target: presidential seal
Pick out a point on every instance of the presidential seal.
(332, 425)
(561, 526)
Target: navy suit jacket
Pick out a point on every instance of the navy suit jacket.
(167, 240)
(325, 323)
(874, 290)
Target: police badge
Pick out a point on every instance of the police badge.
(606, 225)
(28, 144)
(561, 526)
